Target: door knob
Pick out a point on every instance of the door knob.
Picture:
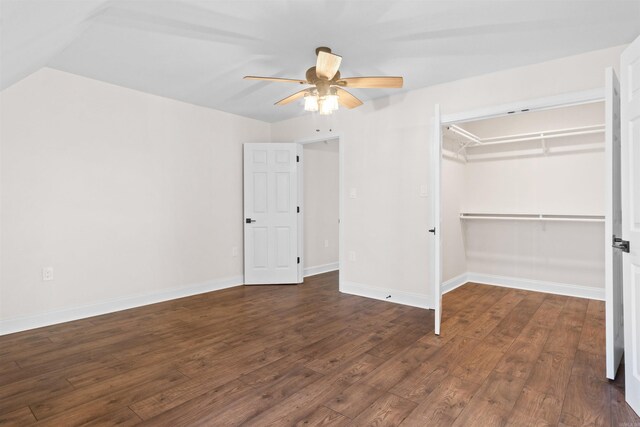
(249, 220)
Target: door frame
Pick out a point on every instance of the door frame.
(321, 137)
(435, 163)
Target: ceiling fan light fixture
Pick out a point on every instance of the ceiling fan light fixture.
(324, 108)
(332, 100)
(329, 103)
(328, 86)
(310, 102)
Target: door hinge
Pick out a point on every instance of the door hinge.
(297, 159)
(298, 209)
(298, 260)
(623, 245)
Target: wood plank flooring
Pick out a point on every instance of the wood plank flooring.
(308, 355)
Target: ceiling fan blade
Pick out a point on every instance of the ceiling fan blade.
(371, 82)
(348, 100)
(291, 98)
(276, 79)
(327, 65)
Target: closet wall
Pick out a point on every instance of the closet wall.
(521, 179)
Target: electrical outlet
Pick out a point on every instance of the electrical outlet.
(47, 273)
(234, 251)
(353, 193)
(423, 191)
(326, 243)
(352, 256)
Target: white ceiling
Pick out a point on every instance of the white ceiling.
(198, 51)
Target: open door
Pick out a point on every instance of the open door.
(613, 227)
(270, 214)
(629, 242)
(436, 165)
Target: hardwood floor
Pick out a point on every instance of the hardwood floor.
(308, 355)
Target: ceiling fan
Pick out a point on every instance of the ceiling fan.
(326, 91)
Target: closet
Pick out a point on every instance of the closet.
(523, 201)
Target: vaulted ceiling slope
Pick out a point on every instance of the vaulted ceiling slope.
(198, 51)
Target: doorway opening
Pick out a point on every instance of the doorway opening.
(321, 206)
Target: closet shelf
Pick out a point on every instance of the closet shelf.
(533, 217)
(475, 140)
(544, 137)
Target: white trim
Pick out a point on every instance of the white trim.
(300, 167)
(319, 138)
(563, 100)
(385, 294)
(319, 269)
(19, 324)
(578, 291)
(436, 214)
(567, 289)
(456, 282)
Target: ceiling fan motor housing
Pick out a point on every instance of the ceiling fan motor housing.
(322, 49)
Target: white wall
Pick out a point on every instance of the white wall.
(570, 184)
(568, 253)
(386, 158)
(124, 194)
(321, 176)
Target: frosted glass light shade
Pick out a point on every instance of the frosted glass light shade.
(310, 102)
(331, 102)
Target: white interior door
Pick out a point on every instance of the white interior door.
(630, 121)
(436, 165)
(613, 227)
(270, 213)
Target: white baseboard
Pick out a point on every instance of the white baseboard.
(319, 269)
(456, 282)
(9, 326)
(383, 294)
(538, 286)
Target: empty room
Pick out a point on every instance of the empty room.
(314, 212)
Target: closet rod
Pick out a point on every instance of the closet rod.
(465, 133)
(578, 148)
(543, 136)
(546, 132)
